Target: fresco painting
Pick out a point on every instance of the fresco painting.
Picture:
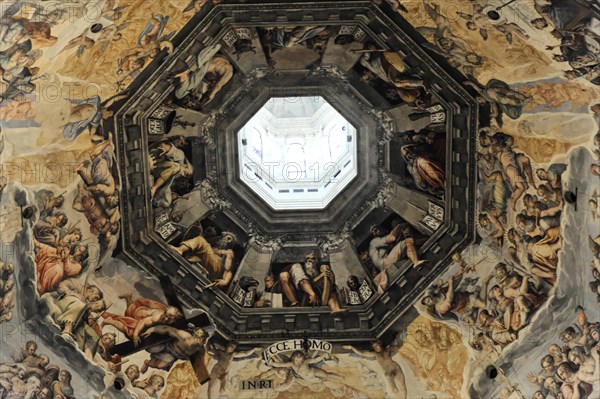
(437, 236)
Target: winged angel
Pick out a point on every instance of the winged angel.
(479, 21)
(454, 49)
(305, 369)
(105, 34)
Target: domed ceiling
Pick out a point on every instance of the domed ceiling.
(314, 199)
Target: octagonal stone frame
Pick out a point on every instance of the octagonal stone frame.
(145, 249)
(340, 209)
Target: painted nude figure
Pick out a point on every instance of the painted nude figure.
(393, 372)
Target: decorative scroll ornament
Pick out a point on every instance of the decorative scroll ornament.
(333, 242)
(206, 132)
(384, 193)
(212, 197)
(256, 238)
(327, 71)
(385, 126)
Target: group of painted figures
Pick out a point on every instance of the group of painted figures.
(517, 205)
(595, 209)
(7, 291)
(573, 369)
(506, 178)
(530, 257)
(579, 39)
(25, 30)
(497, 314)
(81, 312)
(30, 375)
(60, 253)
(311, 282)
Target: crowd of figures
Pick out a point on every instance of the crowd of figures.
(436, 354)
(60, 251)
(520, 210)
(25, 29)
(7, 291)
(571, 369)
(81, 312)
(308, 283)
(521, 220)
(305, 277)
(31, 376)
(579, 40)
(496, 313)
(595, 209)
(26, 33)
(570, 22)
(520, 213)
(98, 37)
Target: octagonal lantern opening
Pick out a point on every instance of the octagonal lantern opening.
(297, 153)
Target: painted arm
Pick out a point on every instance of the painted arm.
(317, 359)
(165, 330)
(552, 211)
(246, 353)
(227, 74)
(114, 218)
(227, 265)
(450, 292)
(104, 189)
(393, 236)
(359, 352)
(282, 364)
(141, 326)
(78, 200)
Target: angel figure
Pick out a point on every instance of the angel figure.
(384, 356)
(111, 12)
(450, 299)
(149, 44)
(501, 97)
(153, 32)
(454, 49)
(87, 114)
(111, 33)
(106, 35)
(204, 79)
(478, 21)
(307, 370)
(283, 378)
(82, 42)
